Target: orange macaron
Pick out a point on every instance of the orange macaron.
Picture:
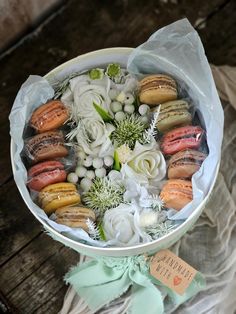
(177, 193)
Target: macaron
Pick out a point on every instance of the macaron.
(182, 138)
(45, 173)
(177, 193)
(185, 163)
(173, 114)
(58, 195)
(45, 146)
(49, 116)
(74, 216)
(156, 89)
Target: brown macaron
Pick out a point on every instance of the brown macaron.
(49, 116)
(156, 89)
(177, 193)
(74, 216)
(45, 146)
(184, 164)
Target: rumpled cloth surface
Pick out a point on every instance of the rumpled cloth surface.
(210, 246)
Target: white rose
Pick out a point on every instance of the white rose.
(84, 98)
(146, 164)
(93, 137)
(120, 223)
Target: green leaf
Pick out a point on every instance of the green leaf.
(101, 232)
(136, 103)
(117, 164)
(106, 117)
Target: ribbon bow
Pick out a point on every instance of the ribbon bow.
(104, 279)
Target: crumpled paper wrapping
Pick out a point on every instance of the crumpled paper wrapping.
(175, 49)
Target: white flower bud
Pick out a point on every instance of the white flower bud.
(108, 161)
(81, 171)
(148, 219)
(129, 109)
(113, 93)
(97, 163)
(143, 109)
(119, 116)
(100, 173)
(88, 162)
(116, 106)
(129, 99)
(121, 97)
(90, 174)
(85, 184)
(72, 177)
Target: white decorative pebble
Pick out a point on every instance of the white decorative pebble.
(129, 109)
(88, 162)
(108, 161)
(100, 173)
(116, 106)
(144, 119)
(85, 184)
(119, 116)
(121, 97)
(81, 171)
(143, 109)
(113, 93)
(90, 174)
(72, 177)
(97, 163)
(129, 99)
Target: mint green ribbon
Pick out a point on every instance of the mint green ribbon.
(104, 279)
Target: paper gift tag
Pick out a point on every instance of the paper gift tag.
(172, 271)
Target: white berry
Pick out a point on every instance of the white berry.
(72, 177)
(86, 184)
(97, 163)
(100, 173)
(129, 109)
(121, 97)
(129, 99)
(88, 162)
(143, 109)
(90, 174)
(119, 116)
(113, 93)
(116, 106)
(108, 161)
(144, 119)
(81, 171)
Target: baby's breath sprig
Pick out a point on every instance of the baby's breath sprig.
(151, 132)
(93, 230)
(160, 229)
(128, 131)
(103, 195)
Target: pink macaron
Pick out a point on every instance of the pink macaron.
(45, 173)
(187, 137)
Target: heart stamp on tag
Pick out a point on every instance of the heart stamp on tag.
(177, 280)
(172, 271)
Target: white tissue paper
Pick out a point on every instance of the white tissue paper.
(175, 50)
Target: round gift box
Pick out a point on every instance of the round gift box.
(98, 59)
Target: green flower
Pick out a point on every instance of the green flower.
(96, 74)
(103, 195)
(128, 131)
(113, 70)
